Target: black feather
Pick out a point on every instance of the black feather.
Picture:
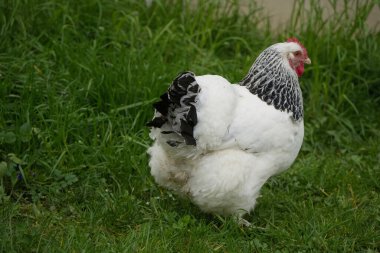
(177, 109)
(173, 143)
(156, 122)
(192, 116)
(167, 132)
(161, 107)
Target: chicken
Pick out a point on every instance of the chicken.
(218, 143)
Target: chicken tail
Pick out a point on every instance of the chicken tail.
(177, 108)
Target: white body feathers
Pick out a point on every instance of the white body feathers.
(241, 142)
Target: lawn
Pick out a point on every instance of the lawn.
(77, 80)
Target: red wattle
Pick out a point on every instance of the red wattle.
(300, 69)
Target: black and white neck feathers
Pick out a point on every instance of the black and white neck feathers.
(275, 83)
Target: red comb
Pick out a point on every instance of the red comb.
(292, 39)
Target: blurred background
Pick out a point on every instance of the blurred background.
(280, 11)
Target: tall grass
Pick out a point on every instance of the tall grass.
(341, 97)
(76, 82)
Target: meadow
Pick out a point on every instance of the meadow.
(77, 80)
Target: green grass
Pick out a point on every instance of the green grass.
(76, 82)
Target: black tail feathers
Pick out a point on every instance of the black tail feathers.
(177, 107)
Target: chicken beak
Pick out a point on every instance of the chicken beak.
(307, 61)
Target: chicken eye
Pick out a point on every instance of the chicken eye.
(297, 53)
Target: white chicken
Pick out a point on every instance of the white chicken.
(219, 143)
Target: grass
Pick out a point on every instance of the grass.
(77, 80)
